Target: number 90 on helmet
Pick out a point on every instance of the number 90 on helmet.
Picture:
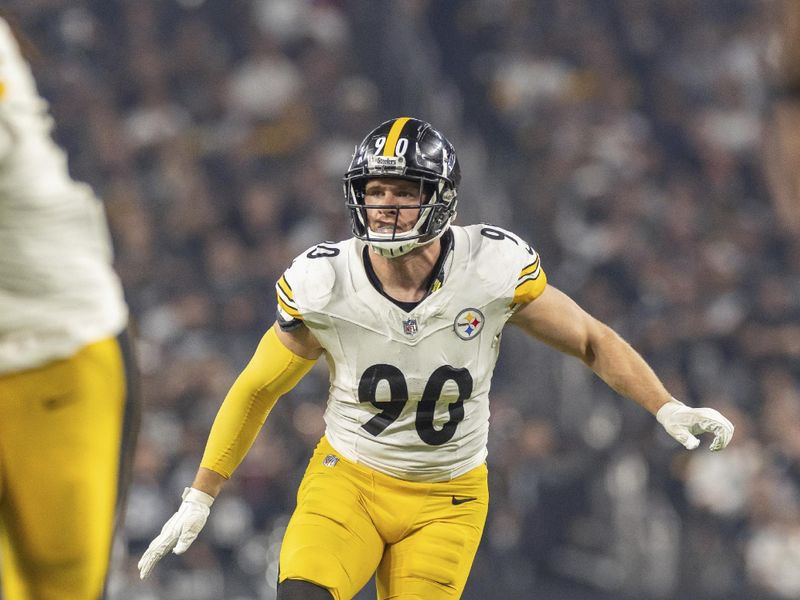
(404, 148)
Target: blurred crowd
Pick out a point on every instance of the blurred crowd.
(622, 138)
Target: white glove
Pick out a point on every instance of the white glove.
(180, 531)
(684, 422)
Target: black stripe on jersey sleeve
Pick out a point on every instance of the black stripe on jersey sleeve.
(287, 324)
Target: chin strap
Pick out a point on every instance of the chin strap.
(393, 249)
(393, 252)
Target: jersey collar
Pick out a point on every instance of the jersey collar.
(435, 281)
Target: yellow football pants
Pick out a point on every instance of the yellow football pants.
(61, 432)
(418, 538)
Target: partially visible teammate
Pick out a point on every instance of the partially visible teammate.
(409, 315)
(66, 421)
(782, 131)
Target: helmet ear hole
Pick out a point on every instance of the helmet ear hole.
(428, 191)
(359, 187)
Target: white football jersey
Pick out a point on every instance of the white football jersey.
(409, 391)
(58, 291)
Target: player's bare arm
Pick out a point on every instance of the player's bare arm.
(557, 320)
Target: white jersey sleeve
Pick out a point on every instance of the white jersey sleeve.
(409, 390)
(524, 270)
(58, 291)
(307, 285)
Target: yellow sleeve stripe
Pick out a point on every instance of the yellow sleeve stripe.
(289, 310)
(530, 289)
(530, 268)
(2, 89)
(286, 303)
(285, 287)
(394, 135)
(533, 275)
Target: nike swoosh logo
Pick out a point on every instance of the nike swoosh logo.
(57, 402)
(457, 501)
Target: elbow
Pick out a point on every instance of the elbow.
(599, 340)
(588, 355)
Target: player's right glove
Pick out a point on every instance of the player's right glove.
(684, 423)
(180, 531)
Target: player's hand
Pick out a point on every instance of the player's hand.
(180, 531)
(684, 423)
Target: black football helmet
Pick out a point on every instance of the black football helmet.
(410, 149)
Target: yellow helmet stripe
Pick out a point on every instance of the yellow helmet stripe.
(394, 135)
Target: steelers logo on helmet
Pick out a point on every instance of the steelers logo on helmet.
(410, 149)
(468, 323)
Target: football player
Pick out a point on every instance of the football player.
(408, 314)
(67, 419)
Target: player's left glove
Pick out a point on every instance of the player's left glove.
(684, 422)
(180, 531)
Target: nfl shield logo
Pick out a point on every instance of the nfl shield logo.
(410, 327)
(330, 460)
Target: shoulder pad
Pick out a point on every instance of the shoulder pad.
(507, 262)
(306, 286)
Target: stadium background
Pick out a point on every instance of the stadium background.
(622, 138)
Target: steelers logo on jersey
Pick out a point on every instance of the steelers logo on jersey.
(468, 323)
